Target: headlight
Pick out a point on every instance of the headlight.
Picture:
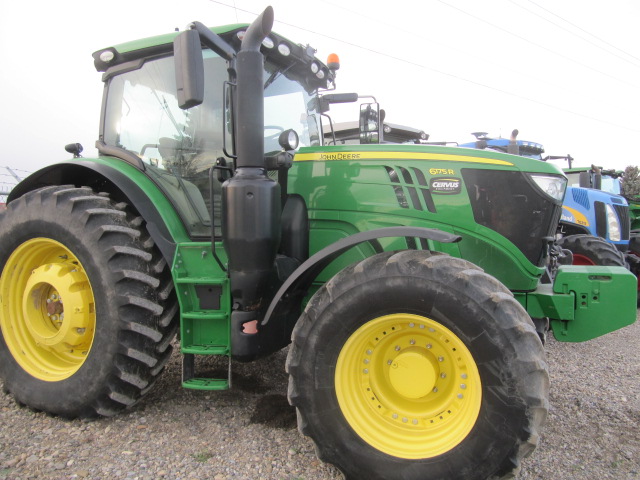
(613, 224)
(552, 185)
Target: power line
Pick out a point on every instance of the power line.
(537, 44)
(450, 75)
(582, 29)
(499, 65)
(573, 33)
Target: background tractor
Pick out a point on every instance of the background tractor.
(405, 277)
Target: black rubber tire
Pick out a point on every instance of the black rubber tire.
(595, 249)
(136, 307)
(478, 309)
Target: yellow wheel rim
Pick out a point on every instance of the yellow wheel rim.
(48, 315)
(408, 386)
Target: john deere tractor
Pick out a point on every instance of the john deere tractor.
(405, 277)
(595, 220)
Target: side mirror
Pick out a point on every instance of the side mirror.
(370, 123)
(585, 180)
(331, 98)
(187, 54)
(597, 181)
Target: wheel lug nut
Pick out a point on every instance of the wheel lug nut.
(464, 375)
(463, 386)
(428, 345)
(443, 375)
(397, 348)
(441, 359)
(412, 342)
(435, 389)
(459, 395)
(394, 416)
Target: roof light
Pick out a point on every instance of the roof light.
(284, 49)
(320, 74)
(268, 43)
(315, 67)
(107, 56)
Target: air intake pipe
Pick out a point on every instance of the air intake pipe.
(251, 207)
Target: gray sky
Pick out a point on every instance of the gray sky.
(565, 73)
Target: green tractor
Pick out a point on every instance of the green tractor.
(405, 277)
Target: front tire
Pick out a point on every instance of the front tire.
(87, 308)
(590, 250)
(418, 366)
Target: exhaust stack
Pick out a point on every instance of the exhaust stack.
(251, 208)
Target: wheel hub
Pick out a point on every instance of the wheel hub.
(44, 312)
(412, 374)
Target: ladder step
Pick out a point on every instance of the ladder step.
(205, 349)
(206, 384)
(200, 280)
(194, 382)
(205, 316)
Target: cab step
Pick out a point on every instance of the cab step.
(193, 382)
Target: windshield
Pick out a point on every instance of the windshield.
(180, 146)
(287, 105)
(608, 183)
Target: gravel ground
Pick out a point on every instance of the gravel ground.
(249, 432)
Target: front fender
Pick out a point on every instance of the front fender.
(298, 283)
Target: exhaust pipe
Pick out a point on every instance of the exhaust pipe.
(251, 207)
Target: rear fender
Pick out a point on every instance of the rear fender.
(123, 182)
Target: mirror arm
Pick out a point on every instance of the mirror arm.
(213, 41)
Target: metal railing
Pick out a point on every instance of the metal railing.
(9, 178)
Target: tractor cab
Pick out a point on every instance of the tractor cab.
(142, 119)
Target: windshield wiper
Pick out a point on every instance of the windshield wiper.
(275, 75)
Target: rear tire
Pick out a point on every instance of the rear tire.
(418, 366)
(590, 250)
(88, 309)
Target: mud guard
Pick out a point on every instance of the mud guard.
(298, 283)
(122, 187)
